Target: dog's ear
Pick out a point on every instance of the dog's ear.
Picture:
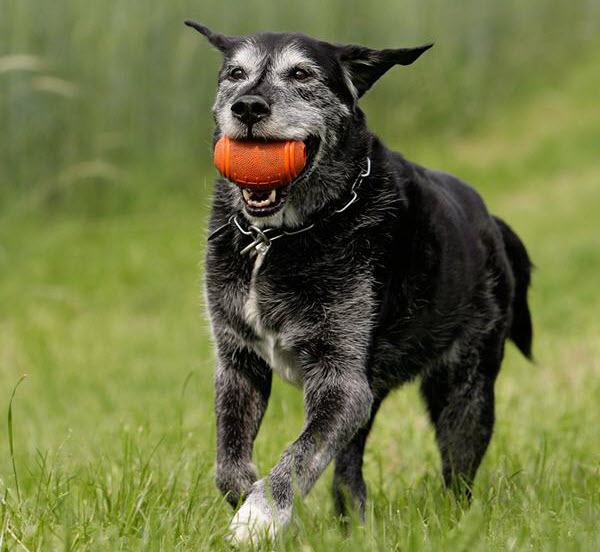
(218, 40)
(364, 65)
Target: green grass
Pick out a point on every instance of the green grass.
(113, 429)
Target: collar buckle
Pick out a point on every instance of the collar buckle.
(260, 241)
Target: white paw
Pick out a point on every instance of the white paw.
(255, 520)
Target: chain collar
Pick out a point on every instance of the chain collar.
(262, 238)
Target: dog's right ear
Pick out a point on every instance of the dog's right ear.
(218, 40)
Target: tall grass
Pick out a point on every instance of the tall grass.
(90, 89)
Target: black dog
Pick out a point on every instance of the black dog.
(364, 273)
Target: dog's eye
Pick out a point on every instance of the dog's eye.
(237, 73)
(299, 74)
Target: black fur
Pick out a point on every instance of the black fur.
(414, 279)
(521, 330)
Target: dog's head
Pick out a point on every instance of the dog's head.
(283, 86)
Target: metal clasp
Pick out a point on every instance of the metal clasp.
(260, 243)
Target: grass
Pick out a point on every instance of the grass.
(112, 433)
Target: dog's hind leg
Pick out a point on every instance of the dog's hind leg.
(460, 401)
(349, 488)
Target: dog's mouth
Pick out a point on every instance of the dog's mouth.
(262, 203)
(268, 201)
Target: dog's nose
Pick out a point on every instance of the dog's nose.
(250, 109)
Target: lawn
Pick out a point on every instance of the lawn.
(113, 428)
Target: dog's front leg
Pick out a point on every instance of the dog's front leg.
(337, 403)
(242, 388)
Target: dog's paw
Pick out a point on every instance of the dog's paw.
(251, 524)
(235, 481)
(256, 520)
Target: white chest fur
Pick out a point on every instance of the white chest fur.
(269, 345)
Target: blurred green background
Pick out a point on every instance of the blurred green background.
(92, 90)
(105, 180)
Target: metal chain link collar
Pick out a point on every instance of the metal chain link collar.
(263, 237)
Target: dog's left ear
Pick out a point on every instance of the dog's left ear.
(365, 65)
(218, 40)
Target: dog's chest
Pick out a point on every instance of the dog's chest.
(268, 344)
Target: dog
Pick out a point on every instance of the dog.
(364, 273)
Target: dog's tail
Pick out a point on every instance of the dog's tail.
(521, 330)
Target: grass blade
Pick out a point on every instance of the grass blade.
(10, 436)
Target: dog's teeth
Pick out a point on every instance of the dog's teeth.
(251, 200)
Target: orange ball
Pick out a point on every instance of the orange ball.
(259, 165)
